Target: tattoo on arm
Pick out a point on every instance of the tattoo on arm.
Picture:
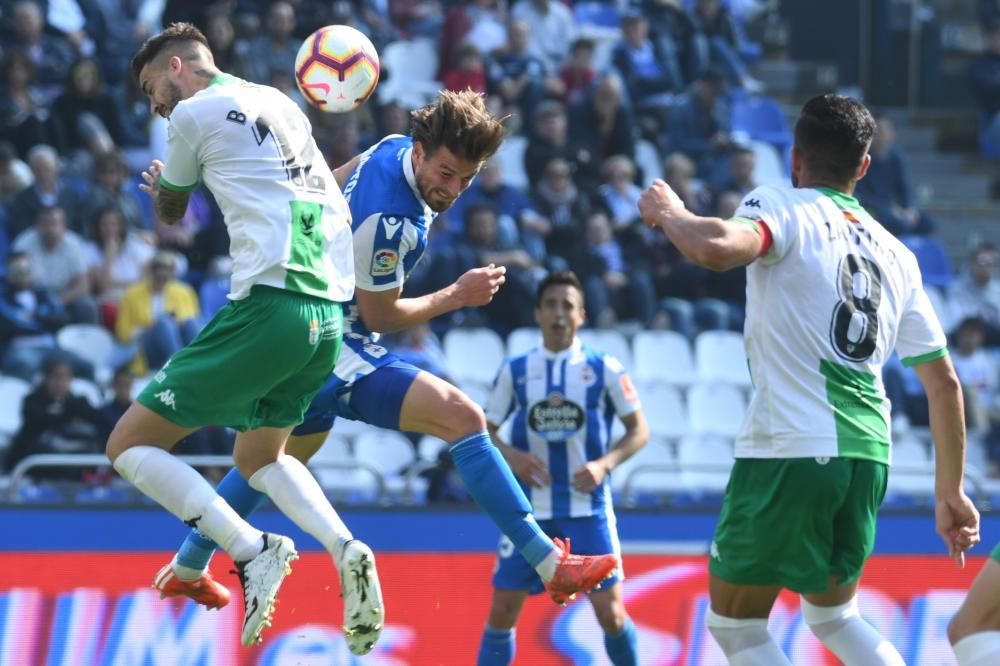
(171, 205)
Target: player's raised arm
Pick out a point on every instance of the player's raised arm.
(709, 242)
(343, 172)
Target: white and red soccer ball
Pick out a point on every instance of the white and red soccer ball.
(337, 69)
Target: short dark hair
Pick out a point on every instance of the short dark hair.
(460, 122)
(833, 134)
(175, 33)
(557, 278)
(476, 209)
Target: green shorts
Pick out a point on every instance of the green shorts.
(797, 522)
(257, 364)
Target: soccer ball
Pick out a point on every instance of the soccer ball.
(336, 69)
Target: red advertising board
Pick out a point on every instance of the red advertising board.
(88, 609)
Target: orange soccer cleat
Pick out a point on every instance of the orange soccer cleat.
(578, 573)
(205, 590)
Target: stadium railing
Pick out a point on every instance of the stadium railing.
(20, 471)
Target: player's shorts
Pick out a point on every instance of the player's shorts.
(258, 363)
(995, 554)
(797, 522)
(590, 535)
(375, 398)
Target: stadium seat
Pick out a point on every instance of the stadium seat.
(705, 464)
(663, 357)
(478, 392)
(89, 390)
(411, 66)
(523, 340)
(473, 354)
(935, 266)
(770, 167)
(647, 158)
(430, 448)
(12, 392)
(391, 453)
(342, 483)
(511, 159)
(910, 454)
(140, 383)
(941, 305)
(653, 486)
(721, 357)
(715, 409)
(90, 342)
(762, 119)
(597, 14)
(610, 342)
(663, 406)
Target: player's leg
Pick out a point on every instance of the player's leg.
(737, 621)
(620, 639)
(833, 614)
(432, 406)
(498, 644)
(974, 632)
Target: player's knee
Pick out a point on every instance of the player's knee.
(959, 627)
(611, 618)
(462, 417)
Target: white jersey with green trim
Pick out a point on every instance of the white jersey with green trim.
(826, 305)
(289, 225)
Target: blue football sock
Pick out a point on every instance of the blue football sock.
(496, 648)
(491, 483)
(197, 549)
(623, 649)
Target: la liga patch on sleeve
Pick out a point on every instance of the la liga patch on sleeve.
(384, 262)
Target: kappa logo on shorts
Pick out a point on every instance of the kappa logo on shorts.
(166, 396)
(713, 552)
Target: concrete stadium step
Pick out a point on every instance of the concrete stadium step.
(955, 187)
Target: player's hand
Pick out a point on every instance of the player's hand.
(957, 523)
(527, 467)
(659, 202)
(589, 476)
(151, 176)
(478, 286)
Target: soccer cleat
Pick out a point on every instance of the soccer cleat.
(261, 579)
(205, 590)
(364, 612)
(578, 573)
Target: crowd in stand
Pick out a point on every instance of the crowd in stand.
(80, 243)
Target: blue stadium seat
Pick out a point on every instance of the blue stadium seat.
(598, 14)
(935, 266)
(762, 119)
(102, 495)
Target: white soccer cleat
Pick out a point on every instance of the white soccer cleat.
(261, 578)
(364, 612)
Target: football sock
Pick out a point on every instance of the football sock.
(846, 634)
(197, 549)
(185, 493)
(979, 649)
(623, 647)
(297, 495)
(491, 483)
(745, 642)
(496, 647)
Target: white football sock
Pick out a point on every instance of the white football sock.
(183, 572)
(297, 494)
(979, 649)
(745, 642)
(547, 568)
(183, 492)
(849, 636)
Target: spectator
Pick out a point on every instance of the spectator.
(479, 22)
(419, 346)
(680, 172)
(984, 78)
(977, 292)
(516, 76)
(578, 73)
(84, 116)
(559, 201)
(30, 316)
(229, 55)
(978, 374)
(53, 420)
(111, 189)
(699, 125)
(24, 115)
(59, 259)
(417, 18)
(119, 29)
(134, 119)
(275, 49)
(715, 23)
(117, 257)
(906, 395)
(739, 178)
(468, 71)
(121, 398)
(601, 126)
(14, 174)
(674, 38)
(619, 193)
(651, 74)
(553, 29)
(158, 315)
(614, 288)
(50, 54)
(50, 189)
(886, 191)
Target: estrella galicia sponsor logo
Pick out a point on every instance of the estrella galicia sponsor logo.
(384, 262)
(556, 418)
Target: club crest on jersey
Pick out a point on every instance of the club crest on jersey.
(556, 418)
(587, 375)
(384, 262)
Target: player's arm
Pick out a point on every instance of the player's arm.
(387, 311)
(343, 172)
(170, 184)
(709, 242)
(592, 473)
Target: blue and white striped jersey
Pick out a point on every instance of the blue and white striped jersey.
(390, 221)
(563, 406)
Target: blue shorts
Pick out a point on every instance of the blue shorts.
(591, 535)
(376, 398)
